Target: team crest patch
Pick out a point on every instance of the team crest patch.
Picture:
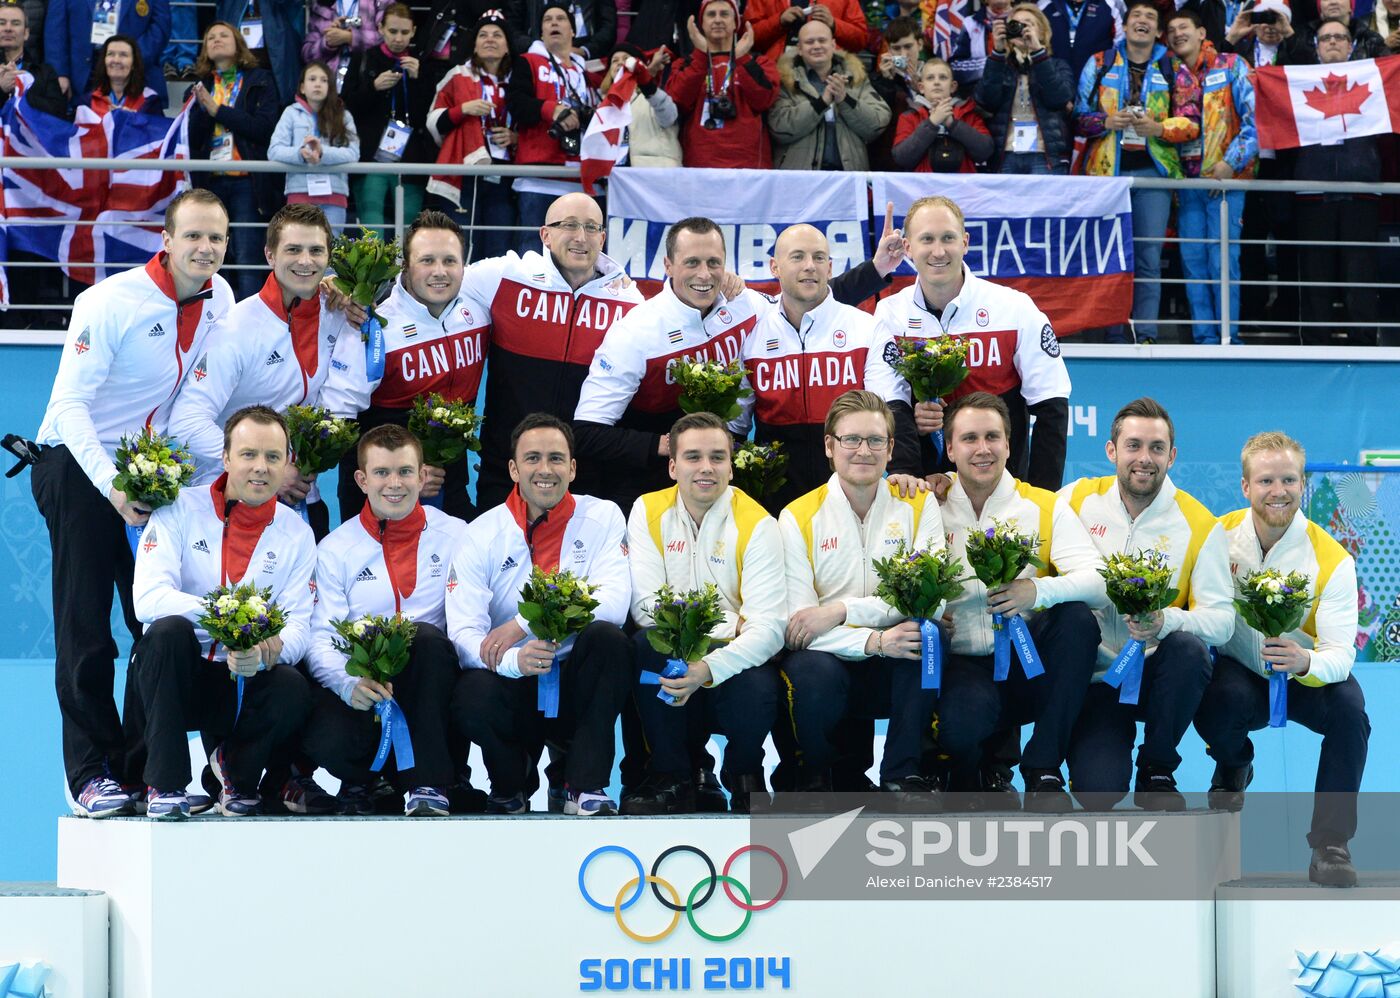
(725, 316)
(839, 338)
(201, 370)
(410, 330)
(84, 342)
(891, 353)
(1048, 342)
(982, 317)
(466, 314)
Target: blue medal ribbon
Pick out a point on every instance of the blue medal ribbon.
(1025, 648)
(937, 437)
(238, 702)
(374, 348)
(133, 536)
(393, 732)
(1278, 699)
(675, 668)
(1125, 674)
(303, 511)
(931, 648)
(1001, 649)
(547, 690)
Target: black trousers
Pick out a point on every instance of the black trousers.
(502, 716)
(972, 708)
(181, 691)
(90, 555)
(827, 689)
(1352, 219)
(456, 502)
(344, 740)
(1174, 676)
(742, 708)
(1237, 702)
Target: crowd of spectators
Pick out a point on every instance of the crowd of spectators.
(1099, 87)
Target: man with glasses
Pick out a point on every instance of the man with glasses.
(852, 655)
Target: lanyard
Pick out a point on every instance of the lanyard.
(227, 98)
(1075, 16)
(347, 9)
(728, 74)
(559, 74)
(394, 94)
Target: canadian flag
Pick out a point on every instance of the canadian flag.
(604, 145)
(1327, 104)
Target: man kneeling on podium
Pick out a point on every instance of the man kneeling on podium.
(228, 533)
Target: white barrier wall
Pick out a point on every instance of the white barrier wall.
(65, 929)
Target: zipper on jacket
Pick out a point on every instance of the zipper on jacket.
(389, 565)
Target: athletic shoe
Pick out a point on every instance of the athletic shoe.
(103, 797)
(994, 792)
(368, 798)
(200, 803)
(303, 795)
(661, 795)
(515, 804)
(1227, 787)
(1331, 867)
(709, 798)
(138, 798)
(167, 805)
(913, 794)
(589, 803)
(559, 801)
(1155, 790)
(425, 802)
(1045, 793)
(465, 798)
(233, 803)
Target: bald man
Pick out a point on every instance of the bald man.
(804, 352)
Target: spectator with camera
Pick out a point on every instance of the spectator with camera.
(551, 96)
(1079, 29)
(827, 110)
(594, 25)
(973, 43)
(388, 96)
(777, 22)
(896, 80)
(1027, 91)
(1263, 35)
(722, 90)
(1124, 100)
(338, 30)
(940, 133)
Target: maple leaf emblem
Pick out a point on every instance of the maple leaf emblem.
(1337, 100)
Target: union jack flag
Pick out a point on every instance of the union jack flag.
(947, 22)
(113, 200)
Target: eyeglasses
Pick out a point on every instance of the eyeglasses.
(570, 226)
(1334, 38)
(852, 441)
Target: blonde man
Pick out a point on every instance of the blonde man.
(1272, 532)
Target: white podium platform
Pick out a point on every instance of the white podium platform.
(497, 906)
(1263, 924)
(66, 929)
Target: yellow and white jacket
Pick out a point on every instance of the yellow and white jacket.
(1193, 541)
(831, 554)
(1074, 562)
(1329, 629)
(736, 547)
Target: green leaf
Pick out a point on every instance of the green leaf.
(658, 641)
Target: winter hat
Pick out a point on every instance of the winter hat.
(731, 4)
(1280, 7)
(551, 4)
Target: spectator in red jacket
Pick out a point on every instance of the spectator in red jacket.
(722, 91)
(940, 133)
(776, 23)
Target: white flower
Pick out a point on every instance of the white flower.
(743, 459)
(440, 413)
(131, 467)
(171, 471)
(358, 628)
(697, 369)
(226, 603)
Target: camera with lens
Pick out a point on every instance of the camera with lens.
(570, 140)
(352, 22)
(900, 62)
(1015, 29)
(1263, 17)
(721, 109)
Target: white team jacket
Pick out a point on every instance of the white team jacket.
(128, 349)
(186, 552)
(1010, 341)
(254, 359)
(1191, 538)
(736, 547)
(360, 571)
(830, 556)
(494, 561)
(796, 374)
(1064, 546)
(1329, 629)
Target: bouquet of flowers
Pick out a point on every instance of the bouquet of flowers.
(683, 623)
(1273, 604)
(1138, 585)
(365, 269)
(447, 430)
(709, 386)
(932, 367)
(240, 618)
(916, 583)
(556, 605)
(318, 440)
(378, 648)
(759, 468)
(997, 556)
(151, 470)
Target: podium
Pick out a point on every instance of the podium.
(63, 929)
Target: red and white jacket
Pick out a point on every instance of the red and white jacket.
(537, 86)
(263, 355)
(198, 543)
(462, 139)
(368, 565)
(583, 535)
(130, 346)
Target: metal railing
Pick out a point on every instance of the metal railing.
(402, 170)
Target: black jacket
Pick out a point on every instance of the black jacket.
(599, 16)
(1357, 160)
(371, 108)
(45, 95)
(252, 119)
(1052, 93)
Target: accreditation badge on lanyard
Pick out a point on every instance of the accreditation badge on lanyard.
(393, 142)
(251, 26)
(104, 21)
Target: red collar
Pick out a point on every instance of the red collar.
(544, 537)
(394, 530)
(244, 517)
(303, 319)
(158, 270)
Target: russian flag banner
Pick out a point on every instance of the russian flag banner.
(1328, 104)
(1065, 241)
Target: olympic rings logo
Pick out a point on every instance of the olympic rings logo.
(698, 897)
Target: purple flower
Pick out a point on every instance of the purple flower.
(1137, 582)
(991, 533)
(246, 629)
(1287, 590)
(325, 433)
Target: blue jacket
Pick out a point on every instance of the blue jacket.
(68, 37)
(292, 129)
(283, 21)
(1098, 28)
